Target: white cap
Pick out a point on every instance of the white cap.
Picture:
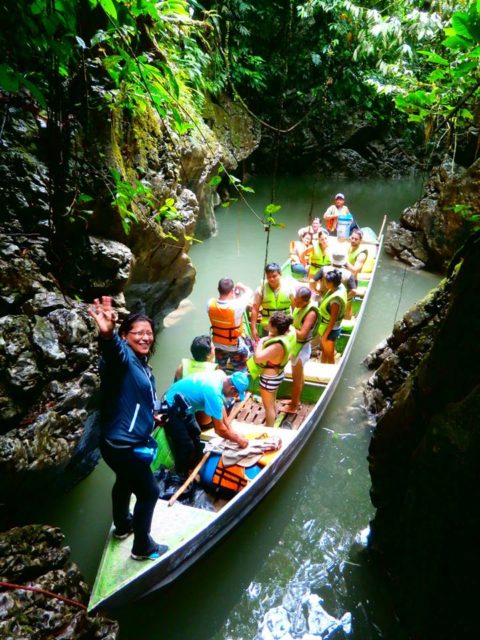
(340, 195)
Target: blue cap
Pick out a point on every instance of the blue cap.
(240, 381)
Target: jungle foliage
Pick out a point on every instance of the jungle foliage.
(327, 63)
(338, 61)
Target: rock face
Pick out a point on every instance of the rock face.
(48, 348)
(34, 557)
(430, 231)
(424, 457)
(348, 147)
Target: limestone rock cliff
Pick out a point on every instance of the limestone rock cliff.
(424, 456)
(430, 231)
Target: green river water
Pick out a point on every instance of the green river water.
(307, 536)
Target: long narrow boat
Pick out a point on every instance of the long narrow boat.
(190, 532)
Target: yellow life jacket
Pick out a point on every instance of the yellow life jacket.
(288, 342)
(340, 296)
(298, 318)
(353, 255)
(190, 366)
(318, 258)
(274, 301)
(222, 318)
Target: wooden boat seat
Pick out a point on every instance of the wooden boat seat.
(315, 371)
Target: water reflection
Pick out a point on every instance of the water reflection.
(307, 605)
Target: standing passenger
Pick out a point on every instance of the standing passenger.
(226, 318)
(333, 212)
(127, 405)
(305, 322)
(269, 361)
(275, 294)
(332, 310)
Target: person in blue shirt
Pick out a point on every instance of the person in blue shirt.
(127, 402)
(205, 392)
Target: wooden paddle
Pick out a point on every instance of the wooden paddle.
(189, 480)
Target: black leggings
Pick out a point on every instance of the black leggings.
(183, 435)
(132, 476)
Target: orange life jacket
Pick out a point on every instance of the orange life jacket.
(222, 319)
(331, 224)
(231, 479)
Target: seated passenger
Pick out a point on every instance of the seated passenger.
(356, 255)
(202, 359)
(313, 228)
(320, 255)
(300, 251)
(305, 322)
(332, 310)
(269, 360)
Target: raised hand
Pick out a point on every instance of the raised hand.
(104, 315)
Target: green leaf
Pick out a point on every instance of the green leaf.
(84, 197)
(457, 42)
(109, 8)
(460, 23)
(215, 181)
(271, 208)
(434, 57)
(9, 79)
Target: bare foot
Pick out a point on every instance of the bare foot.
(290, 408)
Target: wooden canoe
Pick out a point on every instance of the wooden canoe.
(190, 532)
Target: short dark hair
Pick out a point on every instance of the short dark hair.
(304, 293)
(201, 348)
(281, 321)
(273, 267)
(225, 285)
(334, 276)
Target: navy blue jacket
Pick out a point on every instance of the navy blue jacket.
(127, 394)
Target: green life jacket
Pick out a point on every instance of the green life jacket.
(274, 301)
(298, 318)
(340, 296)
(190, 366)
(318, 258)
(288, 341)
(353, 255)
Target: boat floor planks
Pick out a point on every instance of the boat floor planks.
(254, 413)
